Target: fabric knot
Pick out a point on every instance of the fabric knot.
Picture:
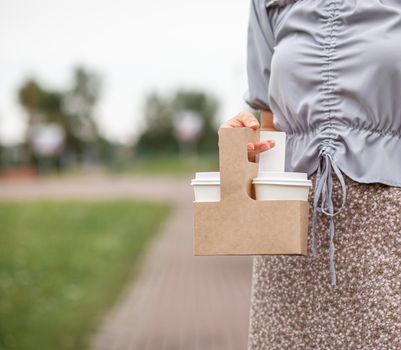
(323, 190)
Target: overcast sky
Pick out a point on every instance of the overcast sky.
(136, 46)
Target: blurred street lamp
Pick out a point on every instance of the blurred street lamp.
(47, 142)
(188, 127)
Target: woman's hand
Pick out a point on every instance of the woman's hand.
(246, 119)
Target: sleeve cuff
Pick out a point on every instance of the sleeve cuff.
(254, 102)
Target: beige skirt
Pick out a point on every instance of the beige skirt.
(294, 305)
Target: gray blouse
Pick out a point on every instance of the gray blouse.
(330, 71)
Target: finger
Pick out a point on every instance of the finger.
(249, 120)
(252, 157)
(263, 146)
(251, 146)
(243, 119)
(251, 152)
(260, 146)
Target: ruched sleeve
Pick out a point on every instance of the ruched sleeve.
(260, 43)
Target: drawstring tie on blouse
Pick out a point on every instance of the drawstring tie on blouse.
(323, 189)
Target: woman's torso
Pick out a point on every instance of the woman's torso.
(335, 85)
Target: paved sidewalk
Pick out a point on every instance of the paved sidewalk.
(177, 301)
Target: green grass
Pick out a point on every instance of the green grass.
(63, 264)
(169, 164)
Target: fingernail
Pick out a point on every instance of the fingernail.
(267, 145)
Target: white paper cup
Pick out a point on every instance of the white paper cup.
(274, 158)
(275, 185)
(206, 186)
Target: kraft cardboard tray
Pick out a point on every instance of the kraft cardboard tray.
(239, 224)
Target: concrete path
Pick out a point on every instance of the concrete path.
(177, 301)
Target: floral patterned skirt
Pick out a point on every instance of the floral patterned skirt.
(294, 305)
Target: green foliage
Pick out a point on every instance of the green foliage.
(207, 107)
(30, 96)
(158, 135)
(160, 111)
(72, 109)
(79, 103)
(63, 264)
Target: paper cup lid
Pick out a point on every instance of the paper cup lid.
(212, 175)
(281, 175)
(285, 178)
(206, 178)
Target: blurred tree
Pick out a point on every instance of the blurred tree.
(1, 149)
(72, 110)
(30, 97)
(1, 158)
(41, 105)
(204, 105)
(160, 112)
(158, 136)
(79, 104)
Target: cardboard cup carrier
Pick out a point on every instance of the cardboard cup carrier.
(250, 208)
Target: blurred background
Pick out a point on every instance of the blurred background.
(107, 108)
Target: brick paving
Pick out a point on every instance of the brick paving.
(177, 301)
